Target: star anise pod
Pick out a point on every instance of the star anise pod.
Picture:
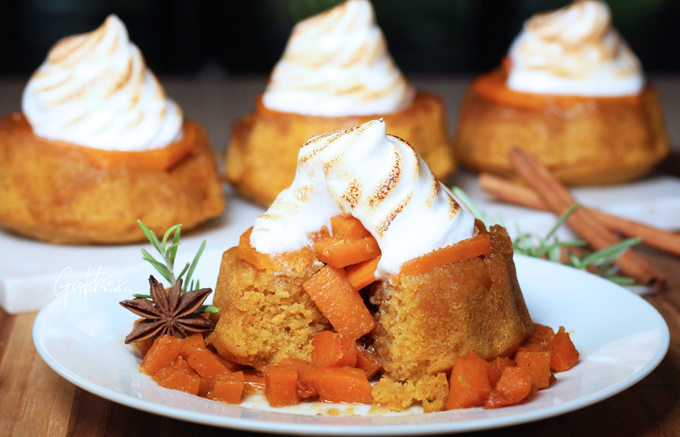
(169, 313)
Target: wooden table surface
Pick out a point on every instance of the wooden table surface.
(34, 400)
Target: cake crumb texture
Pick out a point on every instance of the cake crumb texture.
(264, 318)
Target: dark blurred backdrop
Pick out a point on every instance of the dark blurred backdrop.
(216, 38)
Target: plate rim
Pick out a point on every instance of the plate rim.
(254, 425)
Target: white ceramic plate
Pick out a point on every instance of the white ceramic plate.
(620, 336)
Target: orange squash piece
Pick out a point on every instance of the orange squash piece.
(295, 261)
(172, 378)
(230, 365)
(362, 274)
(281, 385)
(470, 248)
(542, 332)
(512, 388)
(563, 352)
(162, 353)
(496, 367)
(295, 362)
(341, 252)
(181, 364)
(538, 364)
(339, 302)
(206, 364)
(493, 86)
(348, 227)
(469, 385)
(367, 361)
(254, 382)
(538, 341)
(191, 343)
(333, 350)
(228, 388)
(143, 346)
(335, 384)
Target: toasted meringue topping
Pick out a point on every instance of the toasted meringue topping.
(375, 177)
(336, 63)
(574, 51)
(95, 90)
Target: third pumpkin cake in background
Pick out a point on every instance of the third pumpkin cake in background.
(573, 94)
(367, 243)
(335, 73)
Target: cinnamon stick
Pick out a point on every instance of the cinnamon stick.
(507, 191)
(582, 221)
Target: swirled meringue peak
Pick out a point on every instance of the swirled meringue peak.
(336, 63)
(95, 90)
(574, 51)
(375, 177)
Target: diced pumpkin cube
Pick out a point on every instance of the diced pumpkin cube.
(162, 353)
(170, 377)
(538, 364)
(281, 385)
(228, 388)
(367, 361)
(230, 365)
(295, 362)
(362, 274)
(331, 349)
(342, 252)
(335, 384)
(564, 354)
(339, 302)
(206, 364)
(514, 385)
(496, 368)
(348, 227)
(181, 364)
(191, 343)
(469, 384)
(254, 382)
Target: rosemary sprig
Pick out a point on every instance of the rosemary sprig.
(168, 253)
(550, 247)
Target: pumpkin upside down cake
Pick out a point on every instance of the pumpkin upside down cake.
(367, 243)
(336, 72)
(98, 145)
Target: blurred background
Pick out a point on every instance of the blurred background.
(213, 39)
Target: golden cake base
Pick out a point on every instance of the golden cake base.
(264, 318)
(423, 323)
(262, 156)
(427, 321)
(63, 193)
(582, 140)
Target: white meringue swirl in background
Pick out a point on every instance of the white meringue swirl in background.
(95, 90)
(574, 51)
(335, 64)
(375, 177)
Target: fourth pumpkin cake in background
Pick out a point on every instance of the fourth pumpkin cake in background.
(336, 72)
(572, 94)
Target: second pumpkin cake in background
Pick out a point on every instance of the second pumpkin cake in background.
(98, 145)
(335, 72)
(571, 93)
(365, 220)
